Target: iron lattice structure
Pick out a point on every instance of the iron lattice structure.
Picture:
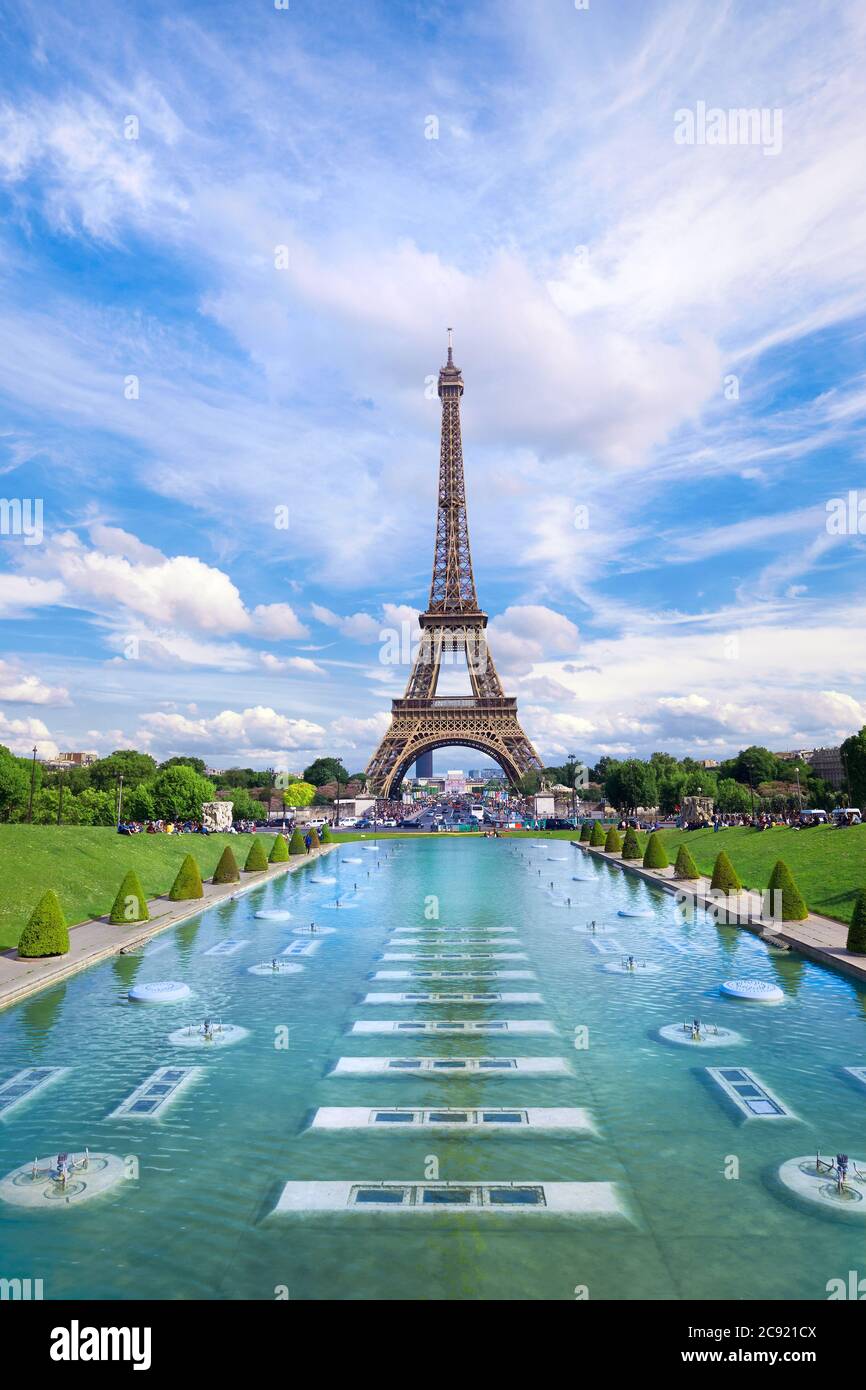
(452, 624)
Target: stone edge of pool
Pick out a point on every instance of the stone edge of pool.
(97, 940)
(818, 938)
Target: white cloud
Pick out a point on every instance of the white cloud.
(20, 735)
(23, 688)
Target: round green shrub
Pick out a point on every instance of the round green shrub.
(46, 934)
(227, 870)
(655, 855)
(188, 882)
(315, 842)
(612, 843)
(725, 879)
(279, 850)
(685, 866)
(296, 844)
(130, 905)
(585, 832)
(857, 930)
(326, 837)
(782, 881)
(631, 845)
(257, 860)
(597, 837)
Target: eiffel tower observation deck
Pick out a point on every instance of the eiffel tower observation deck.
(452, 624)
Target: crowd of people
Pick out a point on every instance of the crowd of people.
(162, 827)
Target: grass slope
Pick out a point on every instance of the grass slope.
(828, 865)
(84, 865)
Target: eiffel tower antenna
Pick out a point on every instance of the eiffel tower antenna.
(452, 624)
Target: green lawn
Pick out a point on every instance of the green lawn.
(85, 866)
(828, 864)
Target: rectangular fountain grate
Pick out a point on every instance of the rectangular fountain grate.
(438, 930)
(448, 975)
(480, 1119)
(453, 956)
(749, 1094)
(415, 997)
(446, 1066)
(858, 1073)
(605, 945)
(154, 1094)
(226, 948)
(579, 1199)
(470, 1026)
(26, 1084)
(301, 948)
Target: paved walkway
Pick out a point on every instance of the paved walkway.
(819, 938)
(96, 940)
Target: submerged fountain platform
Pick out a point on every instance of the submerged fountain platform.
(451, 1066)
(217, 1035)
(709, 1035)
(576, 1199)
(38, 1185)
(819, 1187)
(474, 1027)
(755, 991)
(159, 992)
(275, 967)
(480, 1120)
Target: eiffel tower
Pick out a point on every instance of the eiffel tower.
(452, 624)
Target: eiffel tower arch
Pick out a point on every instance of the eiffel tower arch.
(452, 625)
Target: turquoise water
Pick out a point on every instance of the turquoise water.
(197, 1224)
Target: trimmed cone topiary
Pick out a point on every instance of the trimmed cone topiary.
(857, 930)
(188, 882)
(585, 832)
(296, 844)
(326, 837)
(597, 837)
(685, 867)
(46, 934)
(631, 845)
(725, 879)
(782, 881)
(655, 856)
(612, 843)
(279, 851)
(227, 870)
(315, 842)
(257, 860)
(130, 905)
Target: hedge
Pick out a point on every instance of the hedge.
(257, 860)
(296, 844)
(46, 934)
(725, 879)
(598, 836)
(685, 867)
(857, 930)
(279, 850)
(326, 837)
(315, 842)
(655, 855)
(631, 845)
(782, 881)
(227, 870)
(612, 843)
(585, 832)
(188, 882)
(130, 905)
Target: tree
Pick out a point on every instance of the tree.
(197, 764)
(612, 844)
(14, 783)
(655, 855)
(782, 881)
(585, 832)
(46, 933)
(528, 784)
(631, 845)
(857, 931)
(178, 793)
(226, 870)
(758, 761)
(279, 850)
(732, 798)
(314, 838)
(244, 806)
(95, 807)
(631, 784)
(130, 905)
(853, 752)
(598, 837)
(138, 805)
(323, 770)
(135, 767)
(188, 882)
(299, 794)
(602, 768)
(685, 866)
(326, 838)
(257, 860)
(725, 878)
(296, 844)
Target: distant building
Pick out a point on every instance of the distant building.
(79, 759)
(455, 782)
(826, 763)
(708, 762)
(424, 765)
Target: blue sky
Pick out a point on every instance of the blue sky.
(662, 343)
